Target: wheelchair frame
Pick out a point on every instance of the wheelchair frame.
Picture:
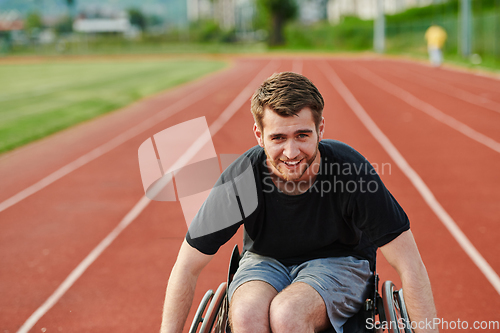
(212, 313)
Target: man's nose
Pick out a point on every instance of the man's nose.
(291, 149)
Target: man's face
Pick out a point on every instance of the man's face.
(291, 144)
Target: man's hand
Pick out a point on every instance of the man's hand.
(181, 286)
(403, 255)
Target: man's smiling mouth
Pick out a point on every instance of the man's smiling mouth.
(291, 163)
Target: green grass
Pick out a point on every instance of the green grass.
(40, 99)
(120, 46)
(352, 35)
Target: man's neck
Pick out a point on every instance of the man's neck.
(292, 187)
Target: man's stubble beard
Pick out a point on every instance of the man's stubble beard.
(284, 177)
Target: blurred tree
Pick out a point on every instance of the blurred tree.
(154, 20)
(277, 12)
(205, 31)
(65, 25)
(71, 7)
(137, 18)
(209, 31)
(33, 26)
(33, 22)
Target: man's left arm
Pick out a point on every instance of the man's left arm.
(403, 255)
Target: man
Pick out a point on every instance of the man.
(435, 36)
(310, 244)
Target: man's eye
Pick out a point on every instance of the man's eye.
(302, 136)
(278, 138)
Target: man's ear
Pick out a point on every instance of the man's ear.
(258, 135)
(321, 129)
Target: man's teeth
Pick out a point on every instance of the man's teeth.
(292, 163)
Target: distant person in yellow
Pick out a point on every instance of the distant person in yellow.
(435, 36)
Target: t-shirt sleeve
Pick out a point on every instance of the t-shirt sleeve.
(374, 210)
(210, 244)
(230, 201)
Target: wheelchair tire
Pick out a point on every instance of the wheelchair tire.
(198, 317)
(395, 309)
(404, 312)
(213, 309)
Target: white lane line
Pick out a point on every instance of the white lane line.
(427, 108)
(412, 175)
(297, 66)
(82, 267)
(106, 147)
(450, 90)
(143, 203)
(476, 80)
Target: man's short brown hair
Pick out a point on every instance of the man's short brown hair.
(287, 93)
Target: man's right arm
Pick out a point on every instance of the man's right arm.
(181, 286)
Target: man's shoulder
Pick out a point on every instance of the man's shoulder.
(341, 160)
(235, 165)
(252, 156)
(337, 151)
(254, 152)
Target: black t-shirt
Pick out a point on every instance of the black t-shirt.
(347, 211)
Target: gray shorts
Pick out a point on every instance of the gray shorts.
(342, 282)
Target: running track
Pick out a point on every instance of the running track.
(62, 196)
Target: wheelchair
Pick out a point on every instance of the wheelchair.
(389, 305)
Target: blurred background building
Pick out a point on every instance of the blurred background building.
(367, 9)
(75, 26)
(228, 13)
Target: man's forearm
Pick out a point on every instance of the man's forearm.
(419, 300)
(403, 255)
(178, 300)
(180, 289)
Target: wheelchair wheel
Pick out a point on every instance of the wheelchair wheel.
(216, 313)
(395, 309)
(198, 317)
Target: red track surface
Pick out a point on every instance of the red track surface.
(46, 235)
